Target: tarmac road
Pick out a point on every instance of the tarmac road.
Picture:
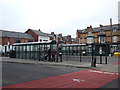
(14, 73)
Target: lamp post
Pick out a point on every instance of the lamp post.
(111, 35)
(90, 41)
(57, 47)
(115, 38)
(101, 37)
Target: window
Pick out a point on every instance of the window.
(101, 39)
(114, 38)
(83, 40)
(114, 30)
(90, 40)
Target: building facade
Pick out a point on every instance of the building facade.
(69, 40)
(7, 38)
(112, 35)
(38, 35)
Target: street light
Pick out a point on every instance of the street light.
(101, 37)
(111, 34)
(115, 38)
(90, 41)
(57, 47)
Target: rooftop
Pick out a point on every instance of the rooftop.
(97, 29)
(40, 33)
(5, 33)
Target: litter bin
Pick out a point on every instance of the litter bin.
(12, 54)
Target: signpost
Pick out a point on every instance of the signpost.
(102, 49)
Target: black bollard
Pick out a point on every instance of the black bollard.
(105, 59)
(100, 59)
(93, 63)
(80, 56)
(60, 55)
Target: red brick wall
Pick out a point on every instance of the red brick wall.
(5, 40)
(33, 34)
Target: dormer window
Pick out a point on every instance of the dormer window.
(114, 30)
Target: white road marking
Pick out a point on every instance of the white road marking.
(77, 80)
(103, 72)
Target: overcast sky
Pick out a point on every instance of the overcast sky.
(60, 16)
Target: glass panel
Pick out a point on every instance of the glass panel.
(28, 52)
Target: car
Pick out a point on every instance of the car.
(117, 54)
(83, 53)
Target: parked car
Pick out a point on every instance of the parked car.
(117, 53)
(83, 53)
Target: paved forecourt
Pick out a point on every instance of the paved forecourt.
(90, 78)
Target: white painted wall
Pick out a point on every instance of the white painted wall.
(3, 48)
(43, 38)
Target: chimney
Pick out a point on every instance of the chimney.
(101, 25)
(68, 36)
(90, 26)
(52, 33)
(29, 29)
(60, 34)
(89, 29)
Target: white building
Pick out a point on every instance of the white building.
(39, 36)
(43, 36)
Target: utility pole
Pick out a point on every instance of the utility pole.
(111, 33)
(57, 48)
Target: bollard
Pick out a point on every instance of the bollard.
(100, 58)
(60, 54)
(105, 59)
(93, 63)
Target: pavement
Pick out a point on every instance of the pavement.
(110, 67)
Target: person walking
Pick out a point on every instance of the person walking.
(53, 53)
(49, 54)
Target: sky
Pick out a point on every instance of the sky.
(59, 16)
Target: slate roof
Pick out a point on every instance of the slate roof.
(40, 33)
(105, 28)
(75, 39)
(4, 33)
(65, 37)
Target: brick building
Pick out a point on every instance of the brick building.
(69, 40)
(41, 36)
(58, 38)
(7, 38)
(38, 35)
(112, 36)
(64, 39)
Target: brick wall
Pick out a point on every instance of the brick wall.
(5, 40)
(35, 36)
